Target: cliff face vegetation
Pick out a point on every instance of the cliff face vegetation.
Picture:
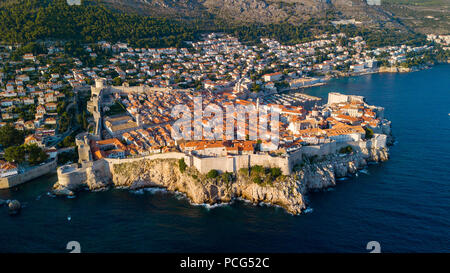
(200, 188)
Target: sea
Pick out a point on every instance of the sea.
(402, 204)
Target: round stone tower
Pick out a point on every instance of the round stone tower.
(100, 83)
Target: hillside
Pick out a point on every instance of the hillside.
(425, 16)
(259, 11)
(30, 20)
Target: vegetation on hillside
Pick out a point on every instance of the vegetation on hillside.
(261, 175)
(29, 20)
(25, 21)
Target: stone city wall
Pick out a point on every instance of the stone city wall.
(76, 174)
(35, 172)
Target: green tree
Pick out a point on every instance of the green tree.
(182, 165)
(257, 169)
(212, 174)
(117, 81)
(68, 141)
(35, 154)
(275, 172)
(227, 177)
(346, 150)
(369, 133)
(9, 136)
(15, 154)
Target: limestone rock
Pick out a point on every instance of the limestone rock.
(14, 207)
(165, 173)
(95, 181)
(62, 191)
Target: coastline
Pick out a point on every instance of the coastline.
(286, 191)
(380, 70)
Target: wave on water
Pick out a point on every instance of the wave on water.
(364, 171)
(243, 200)
(308, 210)
(139, 192)
(156, 190)
(180, 195)
(342, 178)
(211, 206)
(265, 204)
(100, 189)
(50, 194)
(151, 190)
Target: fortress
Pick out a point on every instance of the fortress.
(100, 90)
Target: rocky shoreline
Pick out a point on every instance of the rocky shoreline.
(286, 191)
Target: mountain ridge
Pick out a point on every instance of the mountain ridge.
(258, 11)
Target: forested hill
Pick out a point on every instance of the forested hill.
(24, 21)
(30, 20)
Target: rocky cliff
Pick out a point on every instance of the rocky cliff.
(285, 191)
(201, 189)
(321, 173)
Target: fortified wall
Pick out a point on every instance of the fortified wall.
(35, 172)
(77, 174)
(234, 163)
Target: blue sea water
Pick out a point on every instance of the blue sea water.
(404, 203)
